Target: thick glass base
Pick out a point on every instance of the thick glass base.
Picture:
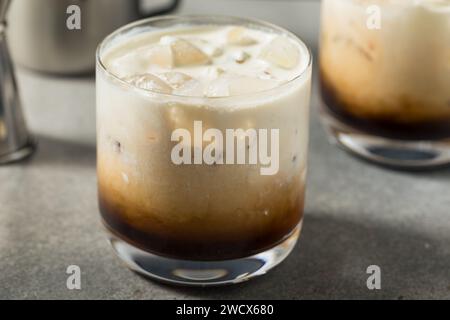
(20, 154)
(202, 273)
(400, 154)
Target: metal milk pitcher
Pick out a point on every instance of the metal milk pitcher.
(40, 39)
(15, 142)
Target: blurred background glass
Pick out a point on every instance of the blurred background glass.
(385, 79)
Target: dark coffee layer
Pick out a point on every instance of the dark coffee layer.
(197, 240)
(385, 126)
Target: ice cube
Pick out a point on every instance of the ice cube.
(281, 52)
(212, 72)
(127, 64)
(187, 54)
(142, 60)
(239, 36)
(175, 79)
(218, 88)
(160, 55)
(212, 50)
(149, 82)
(191, 88)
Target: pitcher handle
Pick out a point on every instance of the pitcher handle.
(159, 11)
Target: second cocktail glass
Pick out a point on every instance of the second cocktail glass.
(385, 79)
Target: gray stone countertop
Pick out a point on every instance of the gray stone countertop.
(356, 215)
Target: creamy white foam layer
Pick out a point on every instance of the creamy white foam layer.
(209, 61)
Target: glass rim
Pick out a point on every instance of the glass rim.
(144, 22)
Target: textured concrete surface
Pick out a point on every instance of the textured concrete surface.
(356, 215)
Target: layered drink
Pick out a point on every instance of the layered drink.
(385, 66)
(202, 139)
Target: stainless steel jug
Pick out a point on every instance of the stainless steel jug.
(15, 142)
(40, 39)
